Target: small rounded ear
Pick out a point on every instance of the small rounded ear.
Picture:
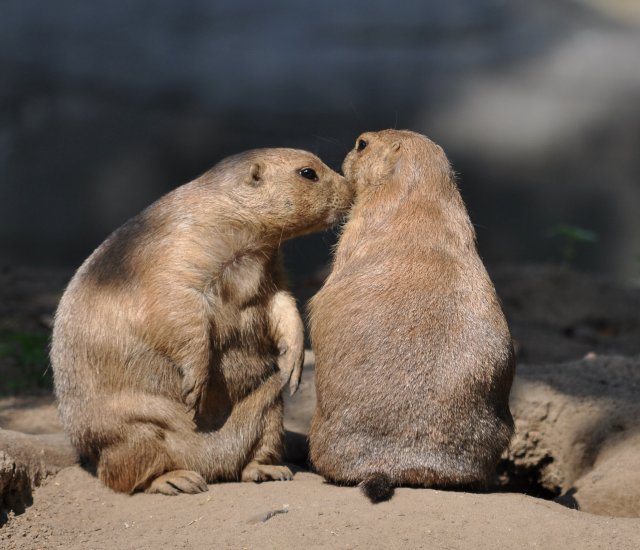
(390, 165)
(393, 155)
(255, 174)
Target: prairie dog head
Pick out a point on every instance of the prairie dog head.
(287, 192)
(396, 161)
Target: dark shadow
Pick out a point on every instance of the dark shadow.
(17, 496)
(217, 404)
(568, 500)
(296, 449)
(89, 465)
(514, 479)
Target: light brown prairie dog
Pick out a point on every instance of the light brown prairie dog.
(175, 337)
(414, 360)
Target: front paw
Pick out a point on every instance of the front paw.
(290, 364)
(266, 472)
(193, 392)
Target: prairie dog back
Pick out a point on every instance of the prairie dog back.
(414, 359)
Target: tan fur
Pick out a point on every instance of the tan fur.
(175, 337)
(414, 359)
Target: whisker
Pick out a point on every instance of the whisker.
(334, 141)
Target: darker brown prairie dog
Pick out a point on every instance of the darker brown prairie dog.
(175, 337)
(414, 360)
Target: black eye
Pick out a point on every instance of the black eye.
(361, 144)
(309, 173)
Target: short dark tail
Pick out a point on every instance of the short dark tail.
(377, 487)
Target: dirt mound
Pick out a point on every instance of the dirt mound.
(578, 433)
(25, 460)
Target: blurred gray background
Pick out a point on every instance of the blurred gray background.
(104, 106)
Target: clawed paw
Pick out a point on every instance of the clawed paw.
(192, 392)
(266, 472)
(290, 364)
(177, 482)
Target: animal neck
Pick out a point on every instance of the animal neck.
(407, 215)
(215, 239)
(431, 207)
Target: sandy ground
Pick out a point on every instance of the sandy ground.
(73, 510)
(577, 442)
(562, 441)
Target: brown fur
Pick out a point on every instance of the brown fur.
(175, 337)
(414, 359)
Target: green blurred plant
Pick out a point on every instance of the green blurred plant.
(29, 351)
(572, 235)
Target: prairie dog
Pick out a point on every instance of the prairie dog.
(174, 339)
(414, 360)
